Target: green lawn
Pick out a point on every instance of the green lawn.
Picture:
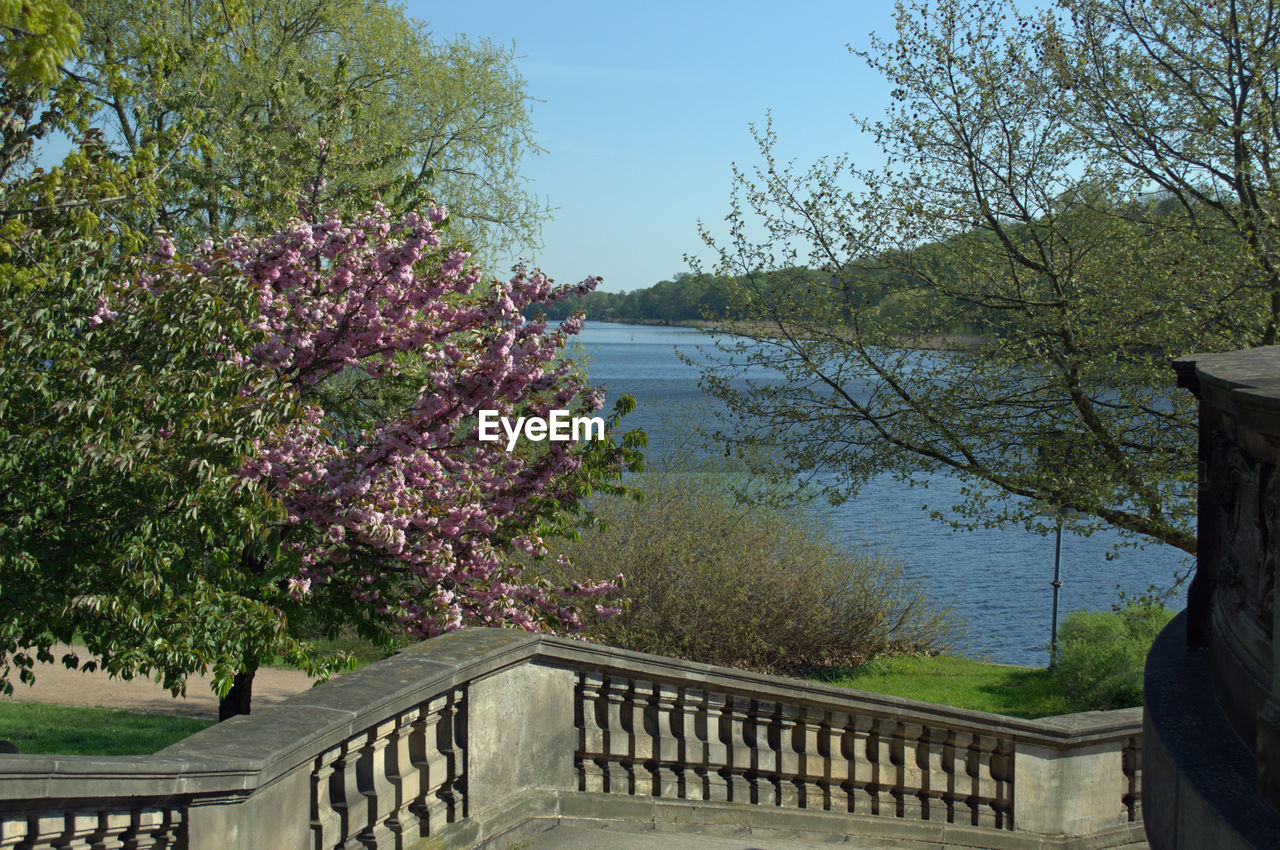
(948, 679)
(49, 729)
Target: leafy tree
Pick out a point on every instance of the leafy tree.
(160, 414)
(1003, 210)
(1183, 96)
(282, 93)
(101, 514)
(204, 489)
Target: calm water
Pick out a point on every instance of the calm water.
(997, 581)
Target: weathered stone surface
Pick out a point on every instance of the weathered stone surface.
(520, 733)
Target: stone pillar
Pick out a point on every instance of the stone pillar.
(520, 733)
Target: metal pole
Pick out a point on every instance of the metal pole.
(1057, 565)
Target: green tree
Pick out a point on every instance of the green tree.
(111, 529)
(1183, 97)
(348, 99)
(1001, 212)
(127, 410)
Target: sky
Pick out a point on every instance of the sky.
(642, 107)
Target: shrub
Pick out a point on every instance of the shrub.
(711, 578)
(1101, 655)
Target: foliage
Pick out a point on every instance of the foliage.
(715, 579)
(99, 514)
(951, 680)
(60, 729)
(1102, 655)
(270, 96)
(411, 515)
(210, 455)
(1015, 203)
(685, 298)
(40, 36)
(398, 520)
(1182, 97)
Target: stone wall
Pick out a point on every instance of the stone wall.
(487, 736)
(1212, 689)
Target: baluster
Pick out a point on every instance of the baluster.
(326, 819)
(1002, 773)
(405, 778)
(45, 827)
(765, 738)
(793, 757)
(111, 829)
(694, 745)
(641, 719)
(617, 737)
(353, 804)
(444, 760)
(669, 754)
(717, 737)
(737, 761)
(68, 829)
(426, 804)
(964, 775)
(906, 781)
(1131, 761)
(882, 791)
(154, 829)
(934, 756)
(817, 789)
(81, 827)
(595, 720)
(985, 783)
(376, 787)
(835, 748)
(13, 830)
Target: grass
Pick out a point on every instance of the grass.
(63, 730)
(999, 688)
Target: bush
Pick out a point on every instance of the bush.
(713, 579)
(1101, 655)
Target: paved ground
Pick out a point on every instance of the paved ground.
(56, 684)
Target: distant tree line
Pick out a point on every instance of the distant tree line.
(693, 297)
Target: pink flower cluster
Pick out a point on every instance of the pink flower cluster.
(408, 513)
(413, 514)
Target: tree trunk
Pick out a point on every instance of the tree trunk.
(237, 699)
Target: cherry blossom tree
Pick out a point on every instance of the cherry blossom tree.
(398, 515)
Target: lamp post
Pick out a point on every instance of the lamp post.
(1051, 450)
(1056, 583)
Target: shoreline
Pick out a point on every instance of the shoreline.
(936, 342)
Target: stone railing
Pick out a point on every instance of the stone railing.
(486, 737)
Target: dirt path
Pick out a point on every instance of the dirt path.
(57, 685)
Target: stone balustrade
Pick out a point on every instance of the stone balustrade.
(486, 737)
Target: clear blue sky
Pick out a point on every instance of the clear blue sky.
(642, 107)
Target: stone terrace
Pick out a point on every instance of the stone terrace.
(488, 738)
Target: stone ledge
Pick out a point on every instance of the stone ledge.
(1245, 383)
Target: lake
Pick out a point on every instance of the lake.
(997, 581)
